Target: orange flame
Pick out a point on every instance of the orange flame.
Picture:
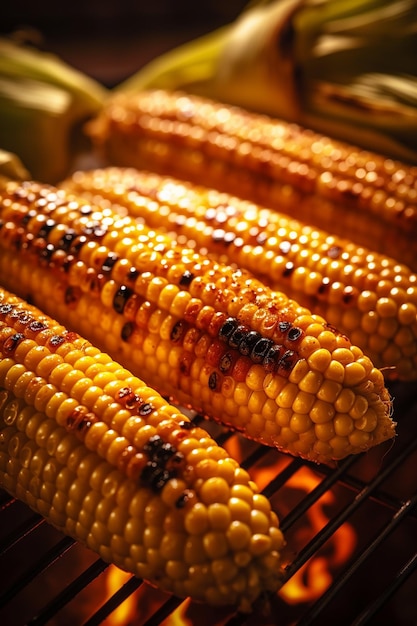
(115, 579)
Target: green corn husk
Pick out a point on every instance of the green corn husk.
(43, 105)
(11, 167)
(346, 68)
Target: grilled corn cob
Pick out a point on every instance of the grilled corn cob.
(364, 294)
(108, 461)
(335, 186)
(210, 336)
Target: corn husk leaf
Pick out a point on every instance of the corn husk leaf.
(347, 68)
(44, 104)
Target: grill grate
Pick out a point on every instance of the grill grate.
(51, 579)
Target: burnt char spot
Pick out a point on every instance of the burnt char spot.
(47, 252)
(5, 309)
(55, 341)
(121, 297)
(186, 278)
(145, 409)
(334, 252)
(46, 228)
(163, 461)
(260, 349)
(66, 240)
(127, 330)
(238, 335)
(109, 263)
(29, 215)
(227, 328)
(72, 295)
(294, 333)
(272, 357)
(11, 343)
(37, 327)
(288, 269)
(284, 326)
(213, 381)
(287, 361)
(226, 362)
(248, 342)
(183, 499)
(177, 331)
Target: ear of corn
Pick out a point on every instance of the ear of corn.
(335, 186)
(342, 67)
(207, 335)
(107, 461)
(366, 295)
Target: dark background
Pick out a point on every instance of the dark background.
(111, 39)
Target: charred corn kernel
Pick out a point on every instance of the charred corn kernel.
(178, 512)
(283, 368)
(353, 288)
(360, 194)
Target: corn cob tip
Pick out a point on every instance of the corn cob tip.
(106, 460)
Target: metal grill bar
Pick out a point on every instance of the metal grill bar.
(355, 564)
(42, 564)
(69, 593)
(404, 573)
(20, 533)
(327, 531)
(112, 603)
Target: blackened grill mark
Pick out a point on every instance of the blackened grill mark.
(134, 402)
(183, 499)
(5, 309)
(334, 252)
(284, 326)
(56, 340)
(177, 331)
(29, 215)
(294, 333)
(227, 329)
(163, 462)
(127, 330)
(121, 297)
(37, 327)
(67, 239)
(186, 278)
(238, 335)
(226, 362)
(47, 252)
(46, 228)
(10, 344)
(109, 262)
(288, 269)
(213, 381)
(248, 342)
(260, 349)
